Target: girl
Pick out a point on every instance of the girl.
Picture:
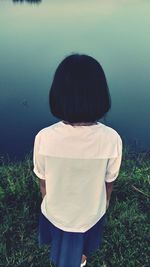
(77, 160)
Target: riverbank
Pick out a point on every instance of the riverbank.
(125, 242)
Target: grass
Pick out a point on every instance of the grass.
(126, 235)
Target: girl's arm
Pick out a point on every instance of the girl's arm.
(109, 189)
(42, 187)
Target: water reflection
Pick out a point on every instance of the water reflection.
(29, 1)
(25, 103)
(34, 40)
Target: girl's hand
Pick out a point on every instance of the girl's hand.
(42, 187)
(107, 204)
(109, 188)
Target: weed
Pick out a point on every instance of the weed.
(125, 242)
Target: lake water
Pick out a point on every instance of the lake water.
(36, 35)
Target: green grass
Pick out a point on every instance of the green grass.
(125, 242)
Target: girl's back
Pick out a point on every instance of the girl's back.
(76, 161)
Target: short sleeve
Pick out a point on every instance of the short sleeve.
(38, 160)
(113, 165)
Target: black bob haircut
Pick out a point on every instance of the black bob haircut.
(79, 91)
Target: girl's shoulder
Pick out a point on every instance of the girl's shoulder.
(104, 130)
(47, 129)
(109, 131)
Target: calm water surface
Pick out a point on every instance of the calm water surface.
(36, 36)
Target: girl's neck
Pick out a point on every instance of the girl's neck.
(81, 123)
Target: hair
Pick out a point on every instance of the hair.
(79, 90)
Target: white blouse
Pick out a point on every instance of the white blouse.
(75, 162)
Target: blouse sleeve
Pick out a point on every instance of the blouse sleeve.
(38, 160)
(113, 165)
